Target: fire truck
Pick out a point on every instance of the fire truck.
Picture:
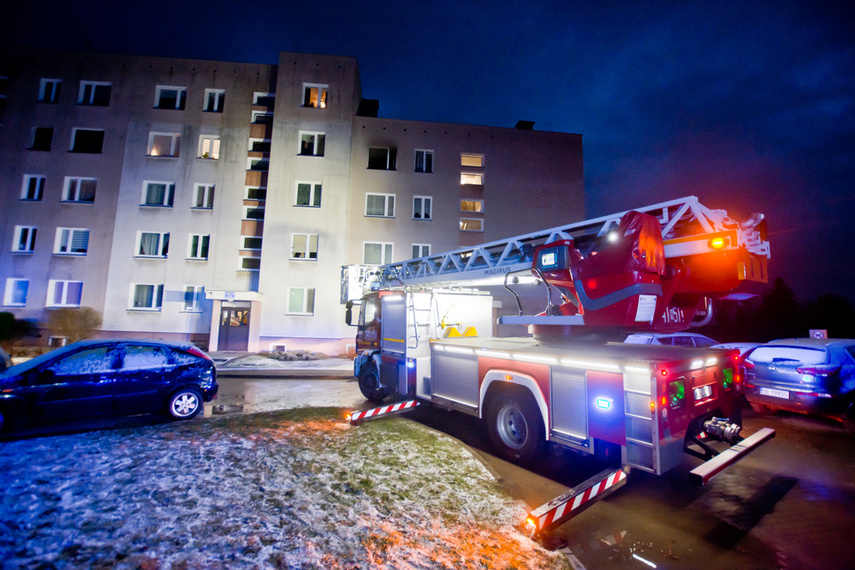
(427, 332)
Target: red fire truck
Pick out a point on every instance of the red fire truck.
(426, 332)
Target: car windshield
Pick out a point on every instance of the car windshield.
(768, 354)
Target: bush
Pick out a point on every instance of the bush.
(74, 324)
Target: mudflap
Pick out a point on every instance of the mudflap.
(702, 474)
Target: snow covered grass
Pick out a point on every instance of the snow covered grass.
(291, 489)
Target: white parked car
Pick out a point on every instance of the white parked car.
(673, 339)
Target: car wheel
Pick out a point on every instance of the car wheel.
(185, 404)
(515, 426)
(761, 409)
(369, 384)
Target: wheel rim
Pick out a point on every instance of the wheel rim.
(512, 427)
(184, 405)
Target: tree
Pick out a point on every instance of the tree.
(74, 324)
(780, 314)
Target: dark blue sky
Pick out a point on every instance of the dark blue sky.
(747, 105)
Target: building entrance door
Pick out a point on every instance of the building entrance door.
(234, 328)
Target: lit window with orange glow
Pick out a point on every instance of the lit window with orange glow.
(315, 95)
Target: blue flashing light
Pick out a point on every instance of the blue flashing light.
(604, 403)
(411, 363)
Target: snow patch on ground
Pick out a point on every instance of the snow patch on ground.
(291, 489)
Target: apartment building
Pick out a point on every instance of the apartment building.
(216, 201)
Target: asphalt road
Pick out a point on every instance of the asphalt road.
(789, 504)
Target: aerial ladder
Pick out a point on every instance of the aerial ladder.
(652, 268)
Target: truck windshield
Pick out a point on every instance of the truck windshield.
(368, 311)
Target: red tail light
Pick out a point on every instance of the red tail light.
(196, 352)
(748, 364)
(818, 369)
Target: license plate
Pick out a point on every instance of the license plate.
(775, 393)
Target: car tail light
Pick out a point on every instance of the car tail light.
(196, 352)
(748, 364)
(818, 369)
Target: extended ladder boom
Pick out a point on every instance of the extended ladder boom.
(687, 228)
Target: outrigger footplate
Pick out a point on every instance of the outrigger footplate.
(356, 418)
(702, 474)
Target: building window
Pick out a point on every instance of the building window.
(309, 194)
(422, 207)
(253, 212)
(250, 263)
(71, 241)
(256, 193)
(421, 250)
(204, 196)
(49, 90)
(198, 246)
(33, 188)
(424, 161)
(164, 144)
(209, 147)
(64, 293)
(472, 206)
(262, 118)
(79, 189)
(252, 243)
(95, 93)
(193, 297)
(42, 138)
(472, 160)
(152, 244)
(158, 194)
(146, 296)
(214, 100)
(24, 240)
(261, 99)
(377, 253)
(471, 225)
(312, 144)
(170, 97)
(380, 205)
(475, 178)
(301, 300)
(304, 246)
(315, 95)
(87, 141)
(382, 158)
(16, 292)
(259, 145)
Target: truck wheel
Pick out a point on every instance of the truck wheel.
(515, 427)
(369, 384)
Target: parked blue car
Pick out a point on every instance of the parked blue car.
(803, 375)
(98, 378)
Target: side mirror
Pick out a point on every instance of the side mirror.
(46, 376)
(348, 314)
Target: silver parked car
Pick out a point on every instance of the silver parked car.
(672, 339)
(803, 375)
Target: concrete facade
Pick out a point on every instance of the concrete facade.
(263, 179)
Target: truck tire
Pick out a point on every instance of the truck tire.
(369, 384)
(515, 426)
